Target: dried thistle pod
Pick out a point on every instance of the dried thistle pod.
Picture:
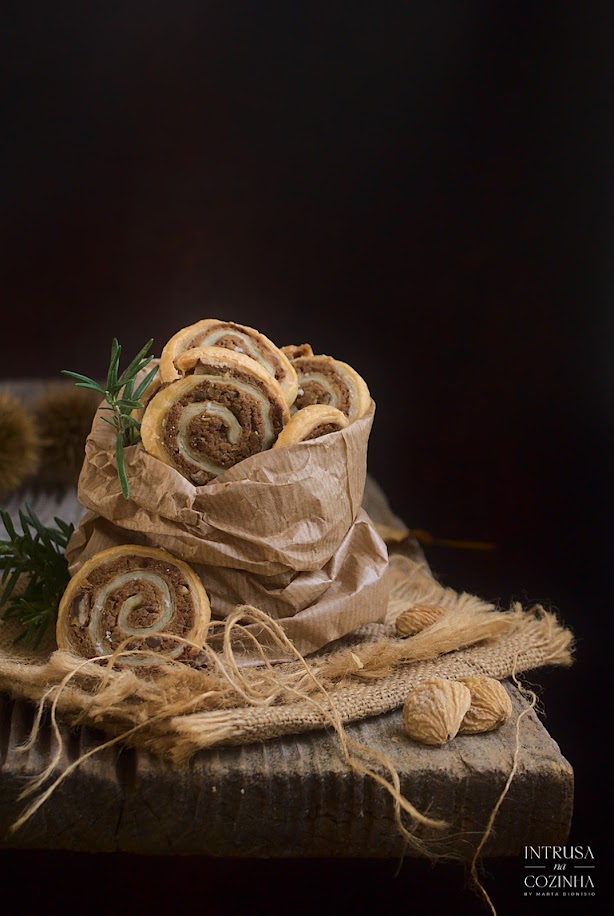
(418, 618)
(490, 705)
(63, 416)
(19, 443)
(434, 710)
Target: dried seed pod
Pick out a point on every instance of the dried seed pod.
(19, 444)
(417, 618)
(490, 705)
(434, 710)
(63, 415)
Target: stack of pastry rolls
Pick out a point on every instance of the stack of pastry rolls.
(225, 391)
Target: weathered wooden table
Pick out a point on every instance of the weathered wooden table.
(292, 796)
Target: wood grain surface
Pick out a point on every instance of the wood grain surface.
(293, 796)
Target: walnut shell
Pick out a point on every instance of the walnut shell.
(434, 710)
(490, 705)
(417, 618)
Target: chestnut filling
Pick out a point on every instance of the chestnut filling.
(238, 341)
(331, 390)
(139, 599)
(312, 393)
(232, 429)
(322, 430)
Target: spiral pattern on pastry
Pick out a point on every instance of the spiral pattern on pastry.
(132, 590)
(310, 423)
(232, 336)
(326, 380)
(227, 409)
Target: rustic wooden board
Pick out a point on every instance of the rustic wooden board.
(288, 797)
(293, 796)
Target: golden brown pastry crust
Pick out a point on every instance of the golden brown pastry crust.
(293, 351)
(88, 624)
(323, 379)
(228, 408)
(238, 338)
(311, 422)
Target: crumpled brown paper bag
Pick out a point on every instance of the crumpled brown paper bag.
(283, 530)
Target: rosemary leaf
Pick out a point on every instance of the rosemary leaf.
(128, 404)
(121, 466)
(37, 555)
(116, 352)
(122, 400)
(138, 363)
(84, 382)
(143, 385)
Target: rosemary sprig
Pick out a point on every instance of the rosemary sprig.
(38, 555)
(122, 399)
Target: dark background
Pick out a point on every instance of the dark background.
(423, 190)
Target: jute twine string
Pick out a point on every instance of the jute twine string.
(255, 703)
(473, 866)
(369, 674)
(352, 750)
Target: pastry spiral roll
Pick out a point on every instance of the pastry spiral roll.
(227, 409)
(293, 351)
(135, 591)
(310, 423)
(325, 380)
(232, 336)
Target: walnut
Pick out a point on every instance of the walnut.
(490, 705)
(418, 618)
(434, 710)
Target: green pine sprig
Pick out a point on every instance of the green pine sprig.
(122, 399)
(38, 555)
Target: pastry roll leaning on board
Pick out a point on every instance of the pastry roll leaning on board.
(133, 591)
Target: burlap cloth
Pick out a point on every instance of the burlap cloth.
(178, 709)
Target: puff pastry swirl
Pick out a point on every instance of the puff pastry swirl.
(227, 409)
(232, 336)
(137, 591)
(310, 423)
(326, 380)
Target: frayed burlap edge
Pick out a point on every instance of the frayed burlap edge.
(179, 710)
